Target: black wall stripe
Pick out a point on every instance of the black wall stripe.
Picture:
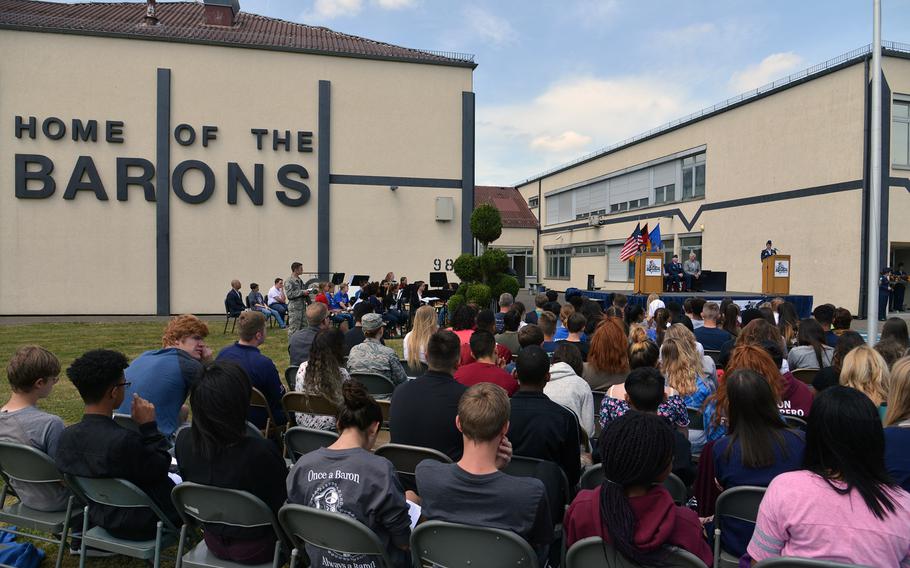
(162, 194)
(324, 147)
(343, 179)
(467, 170)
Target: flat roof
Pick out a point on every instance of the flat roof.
(184, 22)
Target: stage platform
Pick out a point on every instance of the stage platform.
(803, 304)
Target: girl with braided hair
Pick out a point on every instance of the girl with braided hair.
(631, 509)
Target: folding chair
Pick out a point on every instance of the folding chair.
(696, 418)
(598, 402)
(795, 422)
(714, 354)
(120, 493)
(385, 405)
(290, 377)
(790, 562)
(593, 552)
(436, 543)
(739, 503)
(376, 385)
(405, 459)
(203, 504)
(304, 403)
(253, 430)
(594, 476)
(300, 440)
(257, 400)
(523, 466)
(126, 421)
(228, 317)
(331, 531)
(805, 375)
(413, 371)
(23, 464)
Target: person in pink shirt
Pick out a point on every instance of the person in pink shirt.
(631, 509)
(484, 369)
(843, 506)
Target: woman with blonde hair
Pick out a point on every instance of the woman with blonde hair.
(562, 330)
(681, 365)
(708, 368)
(866, 371)
(608, 355)
(897, 424)
(415, 342)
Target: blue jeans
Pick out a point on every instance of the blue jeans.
(274, 313)
(344, 316)
(280, 308)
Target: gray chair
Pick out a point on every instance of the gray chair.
(126, 421)
(598, 402)
(437, 543)
(122, 494)
(405, 459)
(805, 375)
(739, 503)
(290, 377)
(795, 422)
(332, 531)
(253, 430)
(307, 404)
(593, 552)
(376, 385)
(594, 476)
(696, 418)
(23, 464)
(258, 400)
(300, 440)
(791, 562)
(199, 505)
(523, 466)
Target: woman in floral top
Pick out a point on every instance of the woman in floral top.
(323, 375)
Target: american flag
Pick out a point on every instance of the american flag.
(632, 244)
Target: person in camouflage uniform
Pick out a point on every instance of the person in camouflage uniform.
(297, 296)
(372, 357)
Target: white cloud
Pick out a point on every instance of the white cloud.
(772, 67)
(489, 27)
(331, 9)
(686, 36)
(573, 116)
(395, 4)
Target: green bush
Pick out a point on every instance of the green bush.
(455, 302)
(467, 268)
(486, 224)
(493, 262)
(479, 294)
(503, 283)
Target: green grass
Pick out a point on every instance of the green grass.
(69, 340)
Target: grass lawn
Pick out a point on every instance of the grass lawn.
(69, 340)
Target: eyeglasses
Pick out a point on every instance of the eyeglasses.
(123, 384)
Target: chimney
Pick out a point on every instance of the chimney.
(221, 13)
(151, 13)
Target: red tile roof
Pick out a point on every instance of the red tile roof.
(184, 22)
(512, 206)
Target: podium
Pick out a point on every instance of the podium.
(775, 274)
(649, 273)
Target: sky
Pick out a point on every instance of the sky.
(560, 79)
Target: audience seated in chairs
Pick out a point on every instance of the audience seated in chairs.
(423, 410)
(300, 342)
(485, 321)
(337, 311)
(575, 325)
(866, 371)
(485, 368)
(255, 301)
(276, 298)
(897, 424)
(608, 358)
(216, 450)
(233, 301)
(97, 446)
(323, 374)
(811, 351)
(709, 334)
(830, 376)
(795, 396)
(415, 341)
(32, 373)
(547, 324)
(474, 491)
(260, 370)
(566, 387)
(372, 357)
(355, 335)
(163, 376)
(842, 490)
(631, 509)
(348, 478)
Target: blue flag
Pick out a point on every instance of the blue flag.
(654, 238)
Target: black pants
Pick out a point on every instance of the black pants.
(883, 296)
(897, 297)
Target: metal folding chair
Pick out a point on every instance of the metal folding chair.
(300, 440)
(592, 552)
(331, 531)
(437, 543)
(739, 503)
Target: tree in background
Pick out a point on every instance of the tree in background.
(483, 277)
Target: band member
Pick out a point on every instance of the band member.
(884, 290)
(674, 273)
(900, 287)
(768, 251)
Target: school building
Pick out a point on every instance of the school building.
(151, 153)
(787, 162)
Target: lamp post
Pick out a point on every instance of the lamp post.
(875, 172)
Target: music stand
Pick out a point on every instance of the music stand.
(439, 280)
(337, 278)
(360, 280)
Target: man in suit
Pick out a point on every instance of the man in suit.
(234, 299)
(691, 270)
(768, 251)
(674, 272)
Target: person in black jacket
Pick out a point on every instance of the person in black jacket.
(233, 302)
(97, 447)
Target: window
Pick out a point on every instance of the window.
(617, 270)
(559, 263)
(667, 249)
(693, 176)
(590, 250)
(687, 245)
(900, 134)
(560, 208)
(665, 194)
(533, 202)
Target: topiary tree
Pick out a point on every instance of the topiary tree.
(483, 278)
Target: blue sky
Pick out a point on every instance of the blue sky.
(557, 80)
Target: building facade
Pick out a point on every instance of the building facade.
(145, 162)
(788, 162)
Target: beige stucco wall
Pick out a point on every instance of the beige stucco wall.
(86, 256)
(513, 238)
(807, 136)
(897, 71)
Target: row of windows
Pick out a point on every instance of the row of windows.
(559, 261)
(664, 183)
(533, 201)
(900, 134)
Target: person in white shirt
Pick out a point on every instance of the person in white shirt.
(566, 387)
(276, 298)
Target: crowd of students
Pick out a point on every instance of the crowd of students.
(699, 390)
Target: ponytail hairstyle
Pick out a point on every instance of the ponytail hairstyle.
(358, 409)
(642, 351)
(637, 450)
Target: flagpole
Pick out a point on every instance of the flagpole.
(875, 173)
